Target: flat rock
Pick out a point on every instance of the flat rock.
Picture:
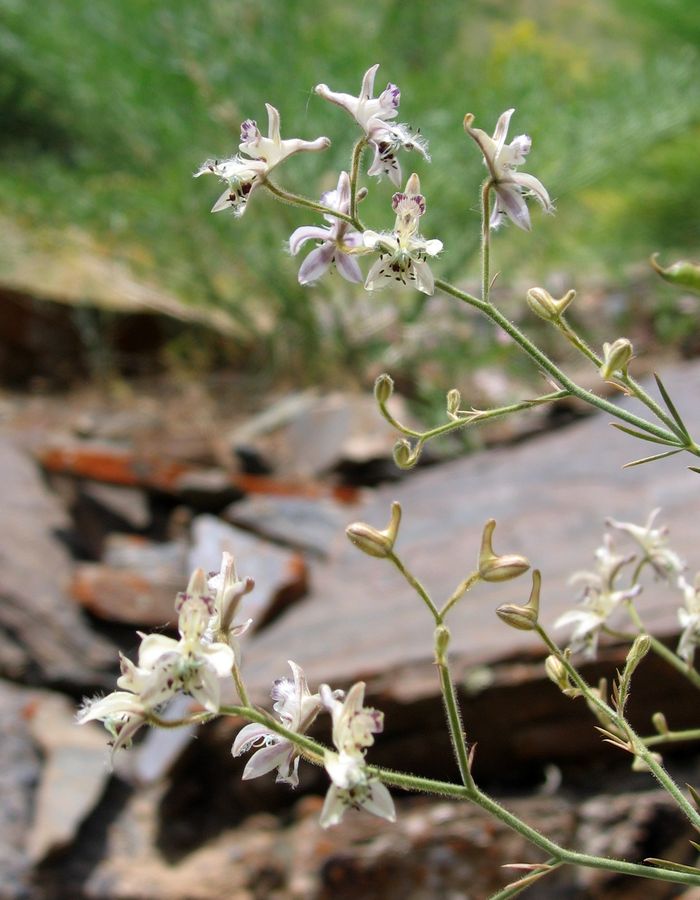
(308, 434)
(42, 635)
(313, 525)
(73, 776)
(550, 497)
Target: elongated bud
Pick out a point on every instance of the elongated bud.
(616, 357)
(556, 672)
(454, 399)
(684, 273)
(442, 640)
(637, 652)
(413, 184)
(372, 541)
(545, 306)
(383, 388)
(524, 618)
(659, 722)
(404, 455)
(498, 568)
(361, 194)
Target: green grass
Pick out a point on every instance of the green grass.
(108, 107)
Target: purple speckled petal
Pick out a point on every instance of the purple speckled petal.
(513, 204)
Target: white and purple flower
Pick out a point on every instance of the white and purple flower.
(511, 186)
(373, 115)
(244, 173)
(336, 241)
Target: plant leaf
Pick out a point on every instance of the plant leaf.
(694, 469)
(674, 866)
(646, 459)
(641, 435)
(695, 795)
(671, 407)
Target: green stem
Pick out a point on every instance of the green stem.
(240, 686)
(357, 152)
(312, 750)
(298, 200)
(672, 737)
(486, 239)
(459, 592)
(454, 720)
(637, 746)
(578, 342)
(416, 585)
(560, 377)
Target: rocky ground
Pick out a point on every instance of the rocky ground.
(109, 501)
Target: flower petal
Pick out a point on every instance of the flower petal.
(300, 236)
(348, 267)
(379, 801)
(536, 188)
(513, 205)
(501, 132)
(424, 277)
(316, 263)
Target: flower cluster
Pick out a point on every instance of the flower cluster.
(193, 665)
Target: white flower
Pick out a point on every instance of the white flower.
(228, 590)
(372, 114)
(352, 787)
(510, 186)
(121, 712)
(403, 252)
(600, 599)
(193, 664)
(244, 173)
(652, 541)
(335, 240)
(297, 708)
(689, 618)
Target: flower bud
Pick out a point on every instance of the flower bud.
(454, 398)
(442, 639)
(498, 568)
(640, 766)
(372, 541)
(404, 456)
(361, 194)
(383, 388)
(637, 652)
(524, 618)
(616, 357)
(659, 722)
(556, 672)
(545, 306)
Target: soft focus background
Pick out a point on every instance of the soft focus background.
(108, 108)
(168, 391)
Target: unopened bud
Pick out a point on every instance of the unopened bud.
(498, 568)
(545, 306)
(637, 652)
(454, 399)
(442, 639)
(659, 722)
(404, 455)
(524, 618)
(361, 194)
(383, 388)
(556, 671)
(616, 357)
(372, 541)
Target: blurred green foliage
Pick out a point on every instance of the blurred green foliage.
(108, 106)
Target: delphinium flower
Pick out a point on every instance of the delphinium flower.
(296, 708)
(373, 115)
(227, 590)
(335, 240)
(599, 601)
(511, 187)
(256, 158)
(352, 786)
(194, 664)
(403, 251)
(654, 544)
(689, 617)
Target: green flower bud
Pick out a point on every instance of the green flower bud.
(659, 722)
(454, 399)
(545, 306)
(404, 456)
(372, 541)
(616, 357)
(383, 388)
(637, 652)
(524, 618)
(498, 568)
(442, 639)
